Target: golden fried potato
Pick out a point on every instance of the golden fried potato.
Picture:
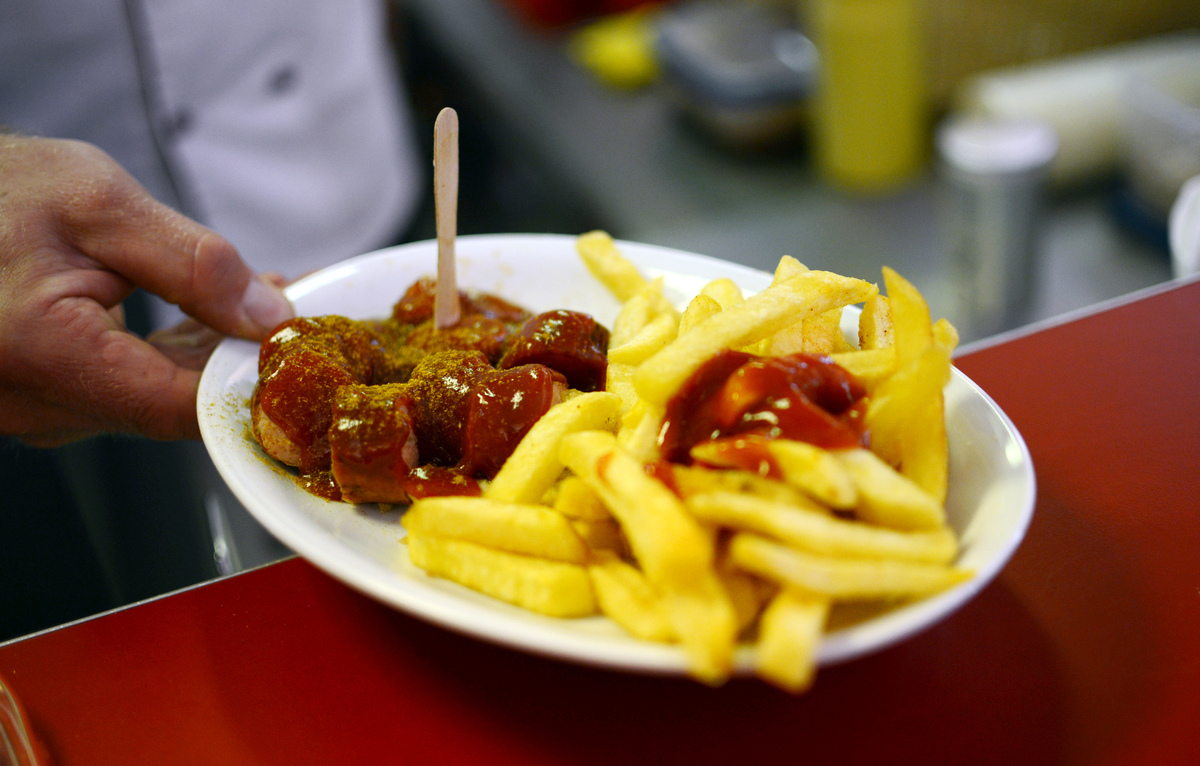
(813, 530)
(668, 544)
(839, 577)
(552, 588)
(875, 324)
(601, 535)
(647, 305)
(906, 418)
(627, 598)
(805, 466)
(700, 308)
(620, 382)
(650, 339)
(639, 431)
(789, 636)
(787, 267)
(870, 366)
(576, 500)
(602, 257)
(697, 479)
(886, 497)
(725, 292)
(912, 328)
(532, 530)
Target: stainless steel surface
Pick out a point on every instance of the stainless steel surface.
(993, 178)
(647, 176)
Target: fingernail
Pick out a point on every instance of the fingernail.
(265, 306)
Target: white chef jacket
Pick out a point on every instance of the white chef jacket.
(278, 123)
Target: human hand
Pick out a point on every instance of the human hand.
(77, 236)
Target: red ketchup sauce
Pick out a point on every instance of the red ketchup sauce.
(742, 400)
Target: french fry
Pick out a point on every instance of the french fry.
(725, 292)
(647, 305)
(789, 339)
(653, 337)
(628, 599)
(926, 450)
(895, 400)
(887, 498)
(602, 257)
(875, 324)
(747, 592)
(667, 542)
(912, 327)
(907, 422)
(534, 465)
(672, 549)
(805, 466)
(906, 415)
(789, 636)
(635, 314)
(814, 531)
(787, 267)
(531, 530)
(785, 341)
(639, 431)
(823, 333)
(704, 619)
(552, 588)
(576, 500)
(762, 314)
(871, 366)
(945, 335)
(600, 535)
(620, 382)
(819, 334)
(694, 480)
(841, 578)
(815, 471)
(700, 308)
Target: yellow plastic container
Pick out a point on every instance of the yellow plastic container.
(871, 115)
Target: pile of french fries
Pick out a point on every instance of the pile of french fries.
(576, 523)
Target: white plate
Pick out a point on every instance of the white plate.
(991, 475)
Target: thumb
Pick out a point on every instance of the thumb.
(211, 283)
(122, 227)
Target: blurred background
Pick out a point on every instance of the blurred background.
(750, 129)
(1015, 159)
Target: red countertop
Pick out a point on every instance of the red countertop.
(1084, 650)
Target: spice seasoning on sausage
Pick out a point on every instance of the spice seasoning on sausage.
(391, 409)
